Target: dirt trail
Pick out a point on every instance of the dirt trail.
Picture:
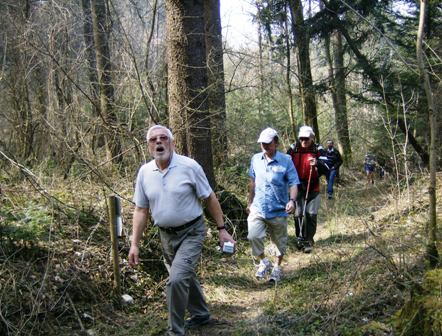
(242, 303)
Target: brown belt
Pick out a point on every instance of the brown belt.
(175, 229)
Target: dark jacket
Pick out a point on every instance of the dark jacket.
(334, 159)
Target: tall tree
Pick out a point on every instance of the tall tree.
(187, 81)
(215, 68)
(88, 35)
(104, 67)
(261, 86)
(29, 78)
(288, 77)
(302, 41)
(335, 60)
(432, 253)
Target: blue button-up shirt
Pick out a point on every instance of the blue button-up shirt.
(272, 182)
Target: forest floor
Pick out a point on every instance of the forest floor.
(367, 258)
(367, 245)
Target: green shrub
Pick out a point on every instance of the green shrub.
(31, 223)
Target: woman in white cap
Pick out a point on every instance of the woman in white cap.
(304, 154)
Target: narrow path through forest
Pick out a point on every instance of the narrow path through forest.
(238, 301)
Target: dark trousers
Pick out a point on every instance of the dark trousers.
(306, 228)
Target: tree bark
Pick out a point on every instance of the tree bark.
(104, 69)
(432, 253)
(88, 35)
(291, 105)
(215, 68)
(337, 88)
(301, 38)
(342, 128)
(187, 82)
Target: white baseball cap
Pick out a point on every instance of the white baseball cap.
(267, 135)
(305, 132)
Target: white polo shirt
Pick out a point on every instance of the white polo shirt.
(173, 196)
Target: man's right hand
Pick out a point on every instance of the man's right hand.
(133, 257)
(224, 236)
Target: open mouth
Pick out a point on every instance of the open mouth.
(159, 149)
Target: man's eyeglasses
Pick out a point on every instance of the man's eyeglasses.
(161, 137)
(304, 139)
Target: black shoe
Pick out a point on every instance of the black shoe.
(300, 243)
(197, 321)
(308, 247)
(330, 196)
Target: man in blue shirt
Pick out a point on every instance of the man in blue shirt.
(272, 194)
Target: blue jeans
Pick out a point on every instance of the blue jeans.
(331, 180)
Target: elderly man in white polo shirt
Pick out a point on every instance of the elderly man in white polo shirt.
(171, 186)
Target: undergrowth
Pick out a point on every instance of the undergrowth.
(56, 271)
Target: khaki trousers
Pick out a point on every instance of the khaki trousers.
(257, 226)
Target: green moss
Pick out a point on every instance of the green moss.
(422, 314)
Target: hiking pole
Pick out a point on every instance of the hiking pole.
(301, 223)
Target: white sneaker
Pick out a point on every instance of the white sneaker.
(264, 266)
(276, 274)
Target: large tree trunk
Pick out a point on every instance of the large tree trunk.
(337, 87)
(301, 38)
(187, 81)
(104, 67)
(215, 68)
(88, 35)
(342, 128)
(432, 253)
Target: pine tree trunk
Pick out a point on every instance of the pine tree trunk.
(341, 111)
(187, 82)
(104, 67)
(432, 253)
(88, 35)
(305, 74)
(215, 63)
(291, 105)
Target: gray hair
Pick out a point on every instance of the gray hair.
(154, 127)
